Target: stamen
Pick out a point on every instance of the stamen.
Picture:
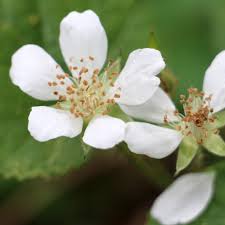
(85, 82)
(62, 98)
(91, 58)
(198, 119)
(89, 93)
(116, 96)
(96, 72)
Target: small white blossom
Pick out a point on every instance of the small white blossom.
(198, 120)
(85, 94)
(185, 199)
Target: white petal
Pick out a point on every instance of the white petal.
(46, 123)
(104, 132)
(214, 82)
(154, 110)
(153, 141)
(32, 68)
(137, 79)
(218, 100)
(185, 199)
(147, 60)
(81, 36)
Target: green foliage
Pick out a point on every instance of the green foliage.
(168, 79)
(26, 158)
(186, 153)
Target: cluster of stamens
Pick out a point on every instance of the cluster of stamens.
(198, 117)
(87, 93)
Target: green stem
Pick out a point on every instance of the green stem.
(153, 169)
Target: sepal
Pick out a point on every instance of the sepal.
(215, 144)
(186, 153)
(220, 119)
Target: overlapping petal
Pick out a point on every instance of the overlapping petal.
(137, 80)
(185, 199)
(154, 141)
(154, 110)
(104, 132)
(46, 123)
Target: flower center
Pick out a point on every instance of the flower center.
(198, 117)
(88, 93)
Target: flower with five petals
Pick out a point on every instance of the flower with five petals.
(85, 94)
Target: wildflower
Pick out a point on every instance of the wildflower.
(197, 126)
(85, 95)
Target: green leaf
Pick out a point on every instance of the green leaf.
(215, 144)
(22, 157)
(220, 119)
(186, 153)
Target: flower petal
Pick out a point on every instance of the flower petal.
(32, 68)
(218, 100)
(82, 36)
(46, 123)
(214, 82)
(104, 132)
(154, 110)
(185, 199)
(153, 141)
(137, 80)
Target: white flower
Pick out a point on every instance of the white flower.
(86, 95)
(185, 199)
(198, 119)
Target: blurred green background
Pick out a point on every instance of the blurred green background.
(105, 189)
